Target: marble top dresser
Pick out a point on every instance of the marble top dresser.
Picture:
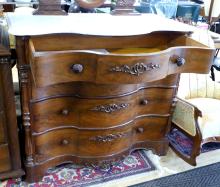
(94, 87)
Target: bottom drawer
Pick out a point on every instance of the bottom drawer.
(5, 164)
(97, 143)
(82, 143)
(150, 129)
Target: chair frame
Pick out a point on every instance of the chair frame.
(197, 139)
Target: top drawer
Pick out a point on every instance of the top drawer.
(111, 66)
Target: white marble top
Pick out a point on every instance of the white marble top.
(92, 24)
(25, 2)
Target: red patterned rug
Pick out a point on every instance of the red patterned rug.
(76, 176)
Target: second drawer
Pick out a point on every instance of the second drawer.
(100, 113)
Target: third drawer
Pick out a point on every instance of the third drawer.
(97, 143)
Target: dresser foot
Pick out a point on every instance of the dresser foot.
(34, 174)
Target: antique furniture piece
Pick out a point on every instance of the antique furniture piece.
(192, 116)
(49, 7)
(10, 163)
(94, 95)
(124, 7)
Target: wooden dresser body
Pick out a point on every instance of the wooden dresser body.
(10, 163)
(84, 100)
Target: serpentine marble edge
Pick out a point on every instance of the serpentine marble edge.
(92, 24)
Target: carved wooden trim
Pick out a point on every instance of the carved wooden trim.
(137, 69)
(110, 107)
(23, 73)
(109, 137)
(26, 119)
(28, 142)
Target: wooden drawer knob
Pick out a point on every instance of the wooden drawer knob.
(180, 61)
(64, 142)
(77, 68)
(65, 112)
(140, 130)
(144, 102)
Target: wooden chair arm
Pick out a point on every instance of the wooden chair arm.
(185, 116)
(188, 115)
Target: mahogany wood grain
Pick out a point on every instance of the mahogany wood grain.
(5, 164)
(107, 68)
(92, 91)
(93, 144)
(36, 172)
(195, 60)
(85, 42)
(100, 113)
(60, 86)
(10, 161)
(2, 130)
(150, 129)
(81, 144)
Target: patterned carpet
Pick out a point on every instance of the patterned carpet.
(207, 176)
(75, 175)
(184, 144)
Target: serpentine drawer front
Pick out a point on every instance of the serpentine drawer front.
(84, 90)
(82, 143)
(97, 144)
(97, 68)
(93, 99)
(100, 113)
(114, 66)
